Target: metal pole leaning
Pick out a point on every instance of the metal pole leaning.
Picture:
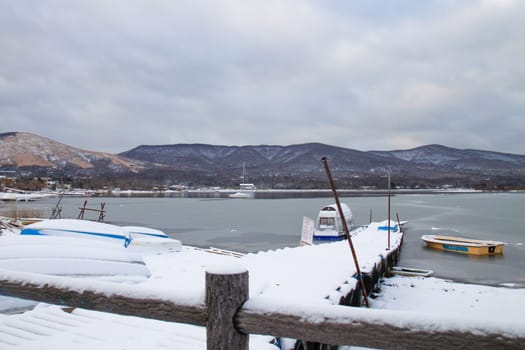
(345, 228)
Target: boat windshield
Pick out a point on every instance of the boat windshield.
(326, 223)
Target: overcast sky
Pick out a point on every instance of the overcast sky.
(368, 75)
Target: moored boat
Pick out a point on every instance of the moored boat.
(329, 226)
(463, 245)
(246, 189)
(241, 195)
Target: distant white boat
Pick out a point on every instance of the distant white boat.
(246, 189)
(329, 226)
(241, 195)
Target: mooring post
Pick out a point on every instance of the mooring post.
(226, 290)
(345, 228)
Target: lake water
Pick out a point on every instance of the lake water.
(250, 225)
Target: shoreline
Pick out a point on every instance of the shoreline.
(286, 193)
(220, 193)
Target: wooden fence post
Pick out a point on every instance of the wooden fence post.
(225, 294)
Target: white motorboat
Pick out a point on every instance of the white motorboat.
(329, 226)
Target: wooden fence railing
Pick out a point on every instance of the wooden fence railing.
(229, 317)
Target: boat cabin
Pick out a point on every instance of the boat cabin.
(247, 187)
(329, 225)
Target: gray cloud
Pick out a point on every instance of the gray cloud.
(365, 75)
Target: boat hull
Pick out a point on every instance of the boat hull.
(78, 228)
(241, 195)
(72, 257)
(128, 236)
(329, 238)
(463, 245)
(411, 272)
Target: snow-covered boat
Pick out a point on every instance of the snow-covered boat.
(150, 237)
(68, 256)
(127, 236)
(329, 226)
(463, 245)
(84, 229)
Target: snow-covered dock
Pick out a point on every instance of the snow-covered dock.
(323, 273)
(287, 279)
(320, 274)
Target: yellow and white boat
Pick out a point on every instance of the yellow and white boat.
(463, 245)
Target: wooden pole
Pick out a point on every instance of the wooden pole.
(388, 244)
(345, 228)
(225, 294)
(102, 212)
(82, 210)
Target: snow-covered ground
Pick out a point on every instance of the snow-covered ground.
(312, 275)
(443, 297)
(50, 327)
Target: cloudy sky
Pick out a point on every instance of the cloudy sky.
(368, 75)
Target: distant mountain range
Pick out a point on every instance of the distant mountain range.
(273, 166)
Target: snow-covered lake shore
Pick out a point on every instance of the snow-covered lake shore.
(312, 275)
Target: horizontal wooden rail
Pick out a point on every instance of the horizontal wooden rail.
(114, 303)
(380, 329)
(229, 316)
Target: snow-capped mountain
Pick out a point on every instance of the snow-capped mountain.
(305, 158)
(459, 160)
(261, 160)
(26, 150)
(269, 164)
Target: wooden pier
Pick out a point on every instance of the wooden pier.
(229, 316)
